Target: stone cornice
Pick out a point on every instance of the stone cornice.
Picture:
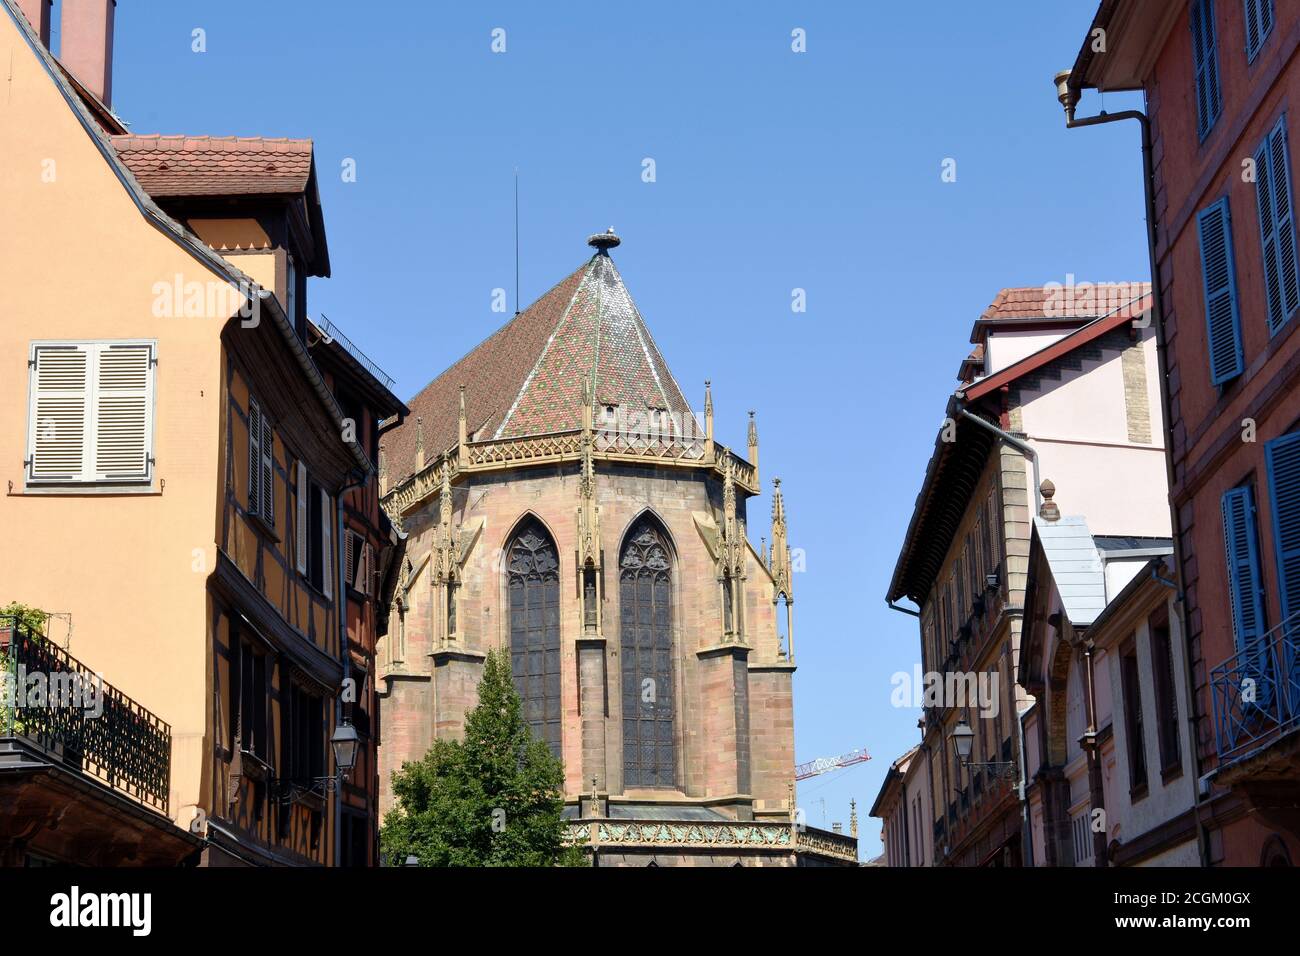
(565, 447)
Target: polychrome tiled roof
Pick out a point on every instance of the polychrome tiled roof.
(527, 378)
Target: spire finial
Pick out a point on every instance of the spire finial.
(419, 443)
(602, 242)
(1049, 510)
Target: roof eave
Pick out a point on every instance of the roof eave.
(1134, 34)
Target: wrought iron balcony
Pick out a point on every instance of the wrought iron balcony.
(1256, 693)
(54, 704)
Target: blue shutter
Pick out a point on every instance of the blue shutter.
(1277, 226)
(1205, 57)
(1218, 269)
(1259, 24)
(1282, 456)
(1244, 587)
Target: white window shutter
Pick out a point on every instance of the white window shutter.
(58, 420)
(327, 563)
(300, 549)
(254, 455)
(268, 472)
(123, 412)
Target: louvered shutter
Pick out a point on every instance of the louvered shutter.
(327, 564)
(123, 412)
(1283, 221)
(1218, 269)
(1205, 59)
(300, 529)
(1259, 23)
(268, 472)
(58, 416)
(1282, 456)
(1244, 587)
(369, 555)
(349, 556)
(254, 456)
(1276, 226)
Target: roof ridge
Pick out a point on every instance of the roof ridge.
(498, 331)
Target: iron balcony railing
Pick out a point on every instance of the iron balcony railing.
(1256, 692)
(53, 702)
(336, 334)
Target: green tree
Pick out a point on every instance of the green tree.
(493, 799)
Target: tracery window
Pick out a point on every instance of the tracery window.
(534, 586)
(645, 603)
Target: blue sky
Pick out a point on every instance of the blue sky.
(774, 171)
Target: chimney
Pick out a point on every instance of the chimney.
(86, 44)
(38, 15)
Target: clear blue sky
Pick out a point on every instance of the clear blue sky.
(775, 170)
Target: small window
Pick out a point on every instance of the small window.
(1162, 666)
(357, 562)
(1133, 723)
(90, 412)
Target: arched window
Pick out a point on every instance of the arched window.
(646, 641)
(533, 568)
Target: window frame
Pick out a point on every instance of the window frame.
(87, 478)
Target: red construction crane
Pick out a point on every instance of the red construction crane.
(826, 764)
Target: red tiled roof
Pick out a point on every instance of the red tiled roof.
(1069, 343)
(971, 365)
(526, 379)
(216, 165)
(1055, 302)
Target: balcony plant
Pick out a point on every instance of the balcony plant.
(13, 617)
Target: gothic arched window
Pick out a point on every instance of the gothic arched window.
(646, 641)
(534, 585)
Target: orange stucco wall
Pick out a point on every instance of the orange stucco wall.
(79, 261)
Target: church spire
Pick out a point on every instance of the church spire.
(708, 420)
(781, 568)
(780, 562)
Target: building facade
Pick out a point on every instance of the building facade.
(1040, 354)
(175, 456)
(1107, 742)
(903, 807)
(562, 502)
(1219, 77)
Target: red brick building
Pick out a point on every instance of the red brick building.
(1220, 83)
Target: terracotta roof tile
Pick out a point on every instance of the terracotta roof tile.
(1072, 304)
(216, 165)
(527, 378)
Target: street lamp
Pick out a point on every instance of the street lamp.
(963, 738)
(344, 743)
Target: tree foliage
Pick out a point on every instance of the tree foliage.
(493, 799)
